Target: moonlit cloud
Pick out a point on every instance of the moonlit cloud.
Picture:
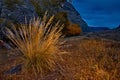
(102, 13)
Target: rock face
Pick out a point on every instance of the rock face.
(15, 12)
(18, 10)
(74, 16)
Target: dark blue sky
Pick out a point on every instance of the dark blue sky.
(101, 13)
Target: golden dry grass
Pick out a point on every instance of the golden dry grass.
(88, 59)
(39, 43)
(92, 59)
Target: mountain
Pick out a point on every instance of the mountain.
(15, 11)
(112, 34)
(95, 29)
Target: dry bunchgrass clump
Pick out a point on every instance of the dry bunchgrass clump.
(39, 42)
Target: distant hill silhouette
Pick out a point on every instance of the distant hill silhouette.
(113, 34)
(95, 29)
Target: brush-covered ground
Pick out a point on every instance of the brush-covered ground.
(86, 59)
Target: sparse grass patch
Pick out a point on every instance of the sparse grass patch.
(93, 59)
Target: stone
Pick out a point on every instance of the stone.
(14, 70)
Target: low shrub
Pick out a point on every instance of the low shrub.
(71, 29)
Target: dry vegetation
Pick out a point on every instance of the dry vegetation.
(87, 59)
(72, 30)
(38, 46)
(92, 59)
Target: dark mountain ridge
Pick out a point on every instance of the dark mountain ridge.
(95, 29)
(112, 34)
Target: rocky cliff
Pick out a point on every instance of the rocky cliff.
(74, 16)
(17, 10)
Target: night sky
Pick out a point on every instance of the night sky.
(99, 13)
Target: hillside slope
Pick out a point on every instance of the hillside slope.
(15, 11)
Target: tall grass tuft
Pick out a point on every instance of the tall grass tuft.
(39, 42)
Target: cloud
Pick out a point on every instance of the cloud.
(99, 12)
